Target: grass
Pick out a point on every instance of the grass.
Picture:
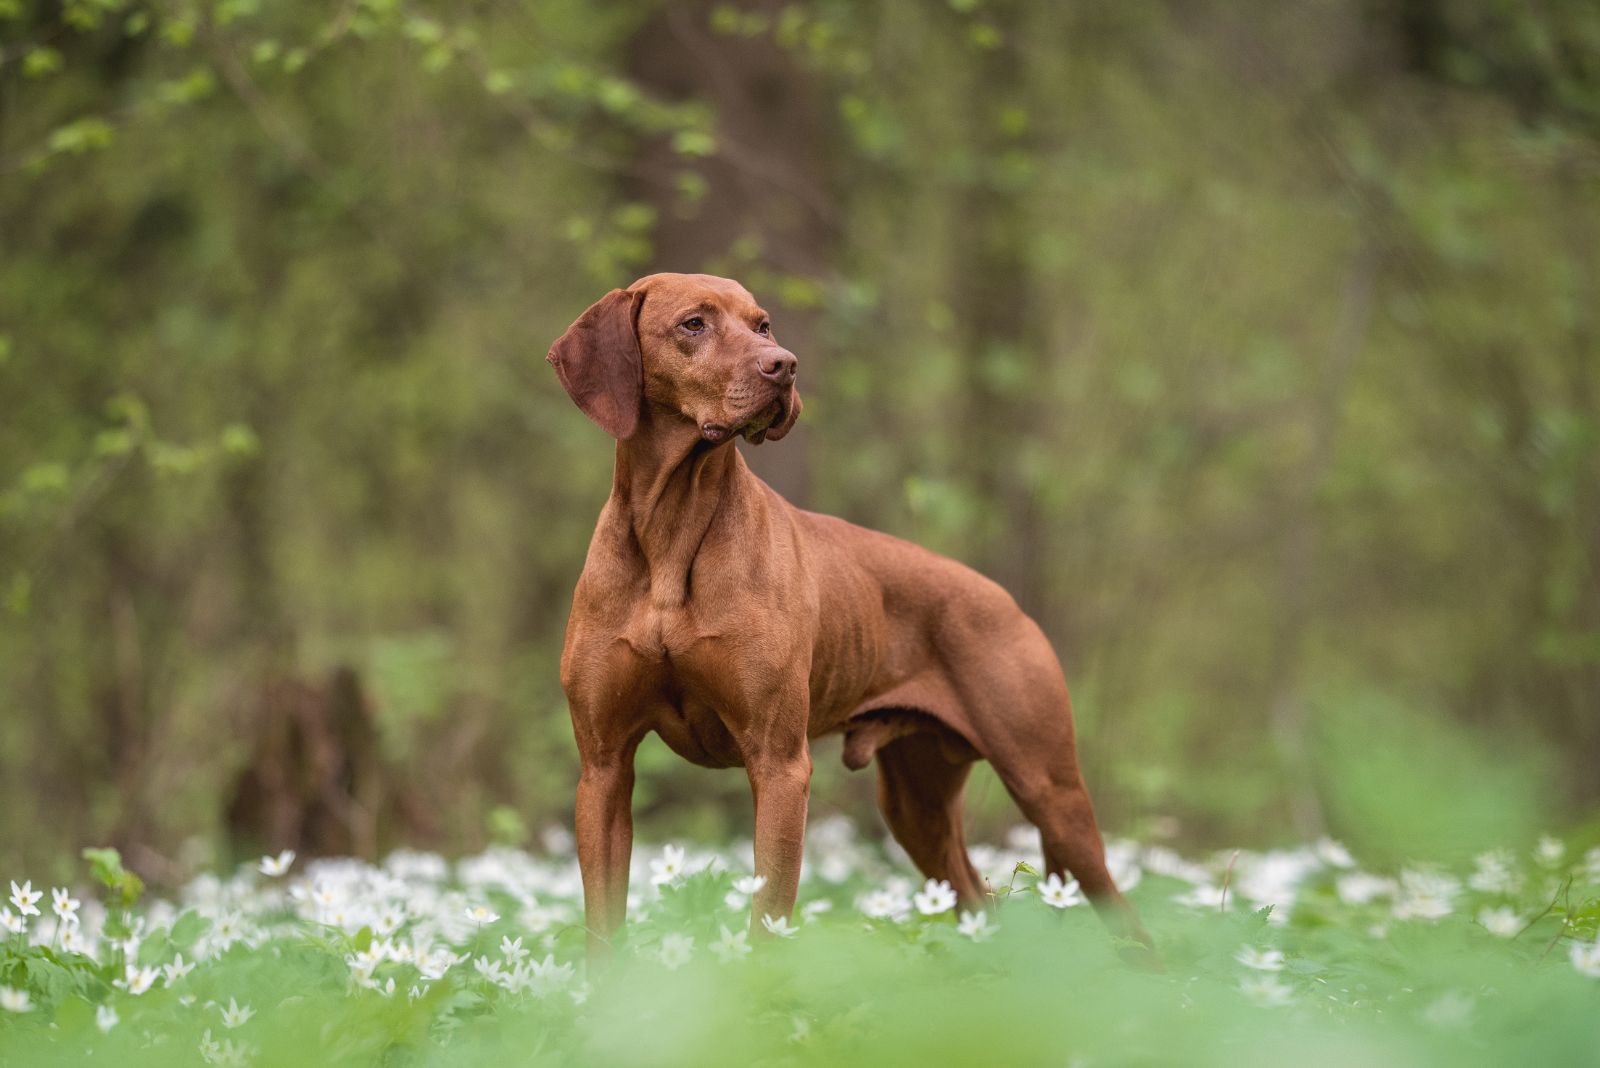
(1295, 956)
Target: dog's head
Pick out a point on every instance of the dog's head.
(693, 346)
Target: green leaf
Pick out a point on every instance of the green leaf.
(188, 928)
(115, 442)
(48, 978)
(693, 143)
(178, 32)
(239, 440)
(40, 62)
(19, 594)
(83, 135)
(196, 85)
(46, 478)
(74, 1016)
(106, 866)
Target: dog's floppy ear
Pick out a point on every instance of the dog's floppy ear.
(599, 363)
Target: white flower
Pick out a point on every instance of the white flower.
(439, 962)
(812, 909)
(177, 969)
(1493, 874)
(669, 866)
(1262, 960)
(490, 970)
(13, 1000)
(676, 950)
(13, 923)
(1360, 888)
(481, 915)
(361, 967)
(64, 905)
(731, 946)
(935, 897)
(1334, 854)
(1550, 851)
(748, 885)
(278, 865)
(1586, 958)
(210, 1050)
(1266, 990)
(885, 904)
(228, 929)
(105, 1018)
(137, 980)
(1501, 921)
(512, 950)
(236, 1015)
(779, 926)
(26, 898)
(1449, 1011)
(72, 940)
(547, 977)
(1203, 896)
(1058, 894)
(976, 926)
(1425, 896)
(229, 1053)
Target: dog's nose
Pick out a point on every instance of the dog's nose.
(778, 366)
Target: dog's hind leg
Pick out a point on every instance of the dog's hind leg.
(919, 791)
(1055, 800)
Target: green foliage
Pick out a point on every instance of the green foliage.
(1254, 353)
(106, 867)
(1424, 972)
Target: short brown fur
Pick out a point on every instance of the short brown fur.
(739, 628)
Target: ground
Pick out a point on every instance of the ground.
(1299, 955)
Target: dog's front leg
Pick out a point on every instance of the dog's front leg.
(781, 784)
(604, 827)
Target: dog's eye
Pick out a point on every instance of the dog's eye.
(694, 324)
(765, 329)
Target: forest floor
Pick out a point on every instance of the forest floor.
(1298, 956)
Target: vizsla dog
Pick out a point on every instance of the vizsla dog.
(739, 628)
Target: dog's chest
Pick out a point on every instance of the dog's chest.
(685, 663)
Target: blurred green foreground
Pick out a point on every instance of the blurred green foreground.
(1294, 956)
(1252, 346)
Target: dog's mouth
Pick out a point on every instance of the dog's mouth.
(755, 431)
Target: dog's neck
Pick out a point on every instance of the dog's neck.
(669, 484)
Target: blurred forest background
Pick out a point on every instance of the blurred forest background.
(1253, 347)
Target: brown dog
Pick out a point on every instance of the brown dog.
(738, 627)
